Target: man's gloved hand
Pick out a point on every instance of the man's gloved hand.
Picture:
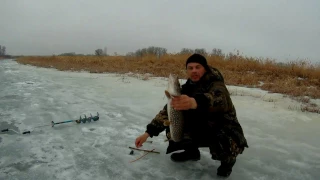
(183, 102)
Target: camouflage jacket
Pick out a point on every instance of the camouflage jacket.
(215, 109)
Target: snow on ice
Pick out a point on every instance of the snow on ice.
(283, 140)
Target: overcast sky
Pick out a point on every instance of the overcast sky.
(282, 29)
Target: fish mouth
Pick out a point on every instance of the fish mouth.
(173, 86)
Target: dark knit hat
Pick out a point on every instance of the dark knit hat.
(198, 58)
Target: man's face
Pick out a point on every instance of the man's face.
(195, 71)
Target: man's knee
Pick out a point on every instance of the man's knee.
(225, 151)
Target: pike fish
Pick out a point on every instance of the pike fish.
(175, 118)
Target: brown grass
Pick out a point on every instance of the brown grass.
(297, 78)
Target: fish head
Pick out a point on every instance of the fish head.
(174, 88)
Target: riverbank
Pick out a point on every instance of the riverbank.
(299, 80)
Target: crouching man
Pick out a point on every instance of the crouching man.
(210, 118)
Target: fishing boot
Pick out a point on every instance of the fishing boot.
(225, 168)
(188, 154)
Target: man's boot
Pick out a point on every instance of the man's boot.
(188, 154)
(225, 168)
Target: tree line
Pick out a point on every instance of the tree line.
(160, 51)
(151, 50)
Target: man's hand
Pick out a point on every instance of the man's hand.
(141, 139)
(183, 102)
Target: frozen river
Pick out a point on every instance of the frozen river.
(284, 142)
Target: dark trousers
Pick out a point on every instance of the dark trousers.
(222, 146)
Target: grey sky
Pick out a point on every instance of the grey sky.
(282, 29)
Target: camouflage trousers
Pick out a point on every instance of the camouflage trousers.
(222, 147)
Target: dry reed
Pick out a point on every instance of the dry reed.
(297, 78)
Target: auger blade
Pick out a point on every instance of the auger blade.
(96, 118)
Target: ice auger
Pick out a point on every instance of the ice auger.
(78, 121)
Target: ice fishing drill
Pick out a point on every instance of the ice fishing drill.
(78, 121)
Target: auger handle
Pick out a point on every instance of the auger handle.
(4, 130)
(53, 123)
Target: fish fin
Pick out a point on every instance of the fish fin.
(173, 146)
(166, 123)
(167, 94)
(177, 146)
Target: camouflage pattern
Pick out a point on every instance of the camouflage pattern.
(213, 124)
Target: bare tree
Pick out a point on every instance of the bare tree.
(158, 51)
(130, 54)
(217, 52)
(99, 52)
(2, 50)
(186, 51)
(201, 51)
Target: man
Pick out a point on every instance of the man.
(209, 115)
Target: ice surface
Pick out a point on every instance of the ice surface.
(283, 141)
